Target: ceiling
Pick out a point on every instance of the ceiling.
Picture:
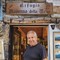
(39, 30)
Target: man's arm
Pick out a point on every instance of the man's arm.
(44, 54)
(45, 59)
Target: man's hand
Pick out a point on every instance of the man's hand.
(45, 59)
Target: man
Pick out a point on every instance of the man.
(34, 50)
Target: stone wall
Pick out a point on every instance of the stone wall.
(4, 35)
(6, 40)
(58, 25)
(4, 28)
(1, 30)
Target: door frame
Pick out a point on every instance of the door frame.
(10, 42)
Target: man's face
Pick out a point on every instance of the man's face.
(32, 39)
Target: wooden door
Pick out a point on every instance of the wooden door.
(16, 48)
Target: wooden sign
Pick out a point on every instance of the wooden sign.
(27, 1)
(28, 8)
(40, 0)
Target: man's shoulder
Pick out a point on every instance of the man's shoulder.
(40, 46)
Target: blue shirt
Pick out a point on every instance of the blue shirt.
(36, 52)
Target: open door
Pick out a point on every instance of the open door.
(18, 40)
(16, 45)
(16, 48)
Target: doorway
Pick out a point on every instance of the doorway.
(18, 40)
